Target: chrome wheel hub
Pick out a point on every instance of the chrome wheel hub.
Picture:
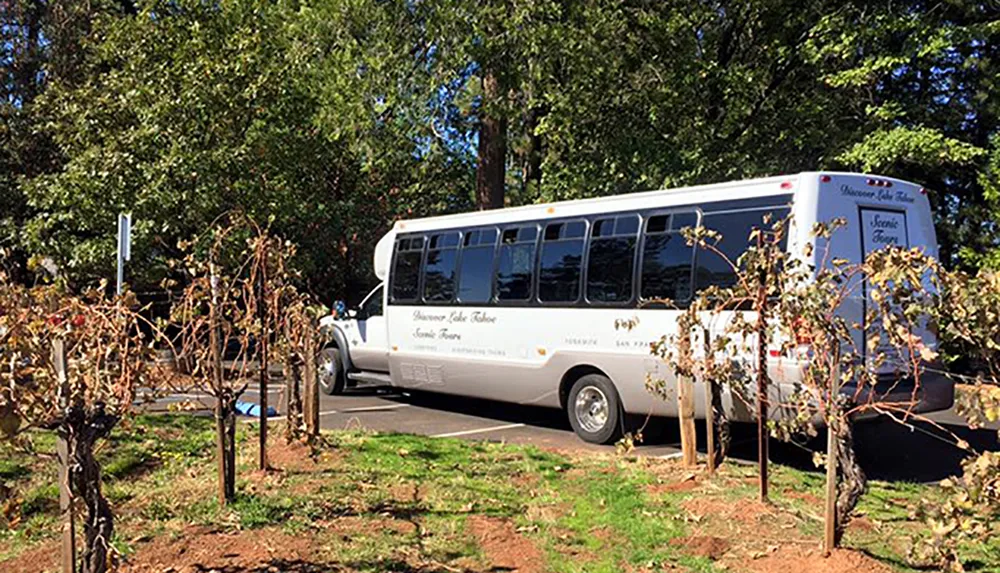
(591, 409)
(327, 369)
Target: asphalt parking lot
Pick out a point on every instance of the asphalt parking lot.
(888, 450)
(437, 415)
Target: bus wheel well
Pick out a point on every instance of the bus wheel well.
(571, 376)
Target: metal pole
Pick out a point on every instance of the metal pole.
(121, 261)
(124, 248)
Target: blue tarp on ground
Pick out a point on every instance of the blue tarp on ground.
(251, 409)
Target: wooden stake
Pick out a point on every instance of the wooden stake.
(312, 384)
(709, 385)
(689, 438)
(762, 381)
(830, 519)
(68, 553)
(685, 405)
(220, 424)
(264, 334)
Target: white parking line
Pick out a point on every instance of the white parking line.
(479, 431)
(375, 408)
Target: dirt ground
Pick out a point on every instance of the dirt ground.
(713, 522)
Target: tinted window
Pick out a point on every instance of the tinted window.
(439, 270)
(372, 306)
(406, 269)
(560, 262)
(515, 262)
(666, 259)
(610, 263)
(735, 229)
(476, 277)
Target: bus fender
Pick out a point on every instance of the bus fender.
(340, 341)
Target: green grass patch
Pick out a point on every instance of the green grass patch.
(376, 502)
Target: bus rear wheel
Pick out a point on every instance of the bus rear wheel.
(331, 375)
(594, 409)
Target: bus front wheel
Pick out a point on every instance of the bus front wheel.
(331, 375)
(594, 409)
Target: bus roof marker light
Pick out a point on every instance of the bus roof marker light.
(923, 190)
(870, 182)
(825, 178)
(550, 210)
(786, 184)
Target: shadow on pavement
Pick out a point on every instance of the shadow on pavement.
(887, 450)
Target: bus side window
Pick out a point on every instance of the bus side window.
(735, 228)
(560, 261)
(666, 259)
(439, 268)
(516, 263)
(406, 269)
(610, 262)
(475, 277)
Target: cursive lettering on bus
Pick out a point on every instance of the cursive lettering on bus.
(898, 195)
(481, 317)
(421, 316)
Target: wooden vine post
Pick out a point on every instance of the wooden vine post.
(762, 381)
(709, 384)
(830, 517)
(66, 509)
(262, 311)
(685, 399)
(311, 375)
(217, 386)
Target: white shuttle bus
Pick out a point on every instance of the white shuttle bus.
(520, 305)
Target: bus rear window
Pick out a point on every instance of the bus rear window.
(406, 269)
(735, 228)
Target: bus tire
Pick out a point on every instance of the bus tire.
(330, 371)
(594, 409)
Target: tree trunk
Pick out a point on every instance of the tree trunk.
(852, 482)
(229, 423)
(716, 421)
(82, 429)
(531, 162)
(492, 153)
(293, 417)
